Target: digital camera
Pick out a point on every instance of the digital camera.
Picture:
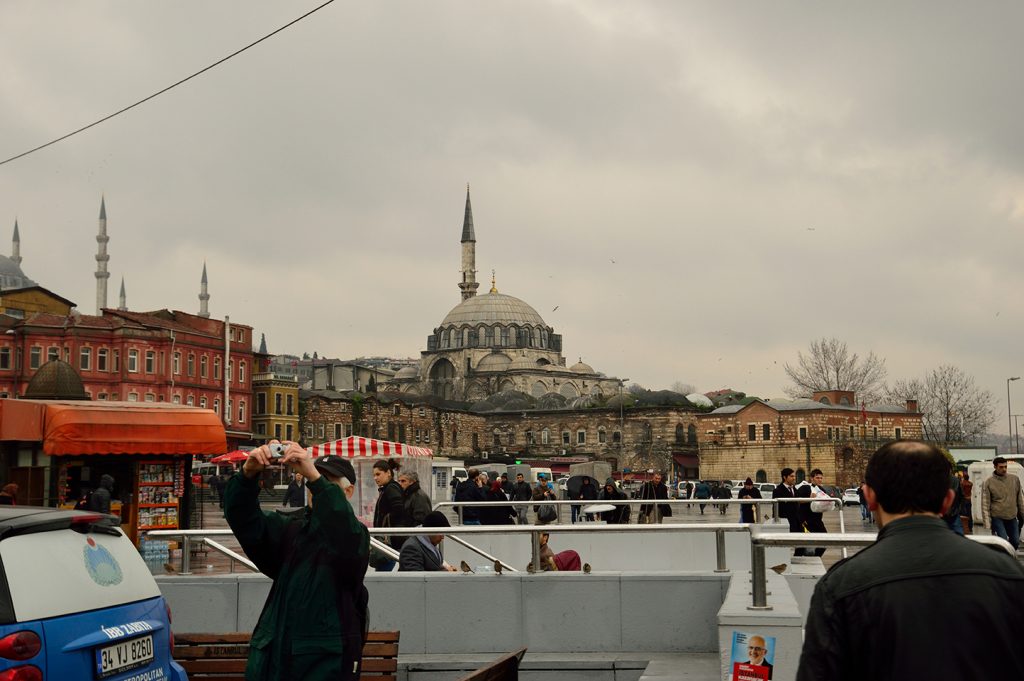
(277, 450)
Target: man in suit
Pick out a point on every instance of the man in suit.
(811, 520)
(422, 553)
(790, 511)
(757, 649)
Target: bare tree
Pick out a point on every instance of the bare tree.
(953, 407)
(683, 388)
(829, 365)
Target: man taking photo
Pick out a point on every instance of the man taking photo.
(314, 621)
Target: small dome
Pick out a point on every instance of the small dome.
(495, 361)
(581, 367)
(56, 380)
(506, 400)
(552, 400)
(406, 373)
(522, 363)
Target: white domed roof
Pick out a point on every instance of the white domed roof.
(698, 400)
(492, 308)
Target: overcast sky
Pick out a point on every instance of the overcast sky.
(700, 189)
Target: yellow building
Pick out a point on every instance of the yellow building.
(276, 407)
(25, 302)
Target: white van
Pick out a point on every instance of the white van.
(535, 472)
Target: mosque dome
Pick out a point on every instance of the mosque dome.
(56, 380)
(406, 373)
(581, 367)
(492, 308)
(11, 275)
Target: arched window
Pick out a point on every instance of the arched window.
(760, 476)
(800, 475)
(504, 336)
(680, 434)
(488, 336)
(545, 436)
(691, 434)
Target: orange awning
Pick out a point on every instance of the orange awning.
(112, 427)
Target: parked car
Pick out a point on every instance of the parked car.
(77, 600)
(766, 489)
(850, 497)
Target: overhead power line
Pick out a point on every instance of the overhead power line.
(169, 87)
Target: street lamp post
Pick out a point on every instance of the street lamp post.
(1009, 417)
(1016, 433)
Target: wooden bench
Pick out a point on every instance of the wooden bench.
(223, 656)
(505, 668)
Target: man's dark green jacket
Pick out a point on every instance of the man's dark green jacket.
(312, 623)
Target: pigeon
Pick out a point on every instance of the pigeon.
(780, 568)
(530, 568)
(586, 568)
(497, 566)
(465, 567)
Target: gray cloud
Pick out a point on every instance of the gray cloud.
(761, 175)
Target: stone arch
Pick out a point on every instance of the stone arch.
(507, 384)
(824, 400)
(680, 434)
(569, 391)
(442, 379)
(538, 389)
(760, 476)
(476, 391)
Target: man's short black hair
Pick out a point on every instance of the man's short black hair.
(998, 460)
(786, 472)
(909, 476)
(816, 471)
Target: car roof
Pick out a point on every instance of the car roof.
(19, 519)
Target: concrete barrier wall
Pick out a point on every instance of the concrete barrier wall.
(486, 613)
(783, 622)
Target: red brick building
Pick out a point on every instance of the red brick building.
(160, 356)
(829, 431)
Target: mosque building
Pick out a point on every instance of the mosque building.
(496, 343)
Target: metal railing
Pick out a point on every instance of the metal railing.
(534, 531)
(760, 540)
(458, 506)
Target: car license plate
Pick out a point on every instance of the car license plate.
(122, 656)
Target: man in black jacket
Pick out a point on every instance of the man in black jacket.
(470, 489)
(521, 492)
(886, 612)
(790, 511)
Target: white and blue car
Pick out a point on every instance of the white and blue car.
(78, 602)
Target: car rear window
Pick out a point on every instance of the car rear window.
(63, 571)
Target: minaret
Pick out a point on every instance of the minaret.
(122, 301)
(468, 285)
(204, 297)
(101, 260)
(16, 245)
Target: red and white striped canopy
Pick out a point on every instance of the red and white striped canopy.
(353, 446)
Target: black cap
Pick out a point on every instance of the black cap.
(336, 466)
(435, 519)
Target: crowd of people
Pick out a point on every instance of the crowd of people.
(319, 554)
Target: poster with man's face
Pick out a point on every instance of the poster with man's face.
(753, 656)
